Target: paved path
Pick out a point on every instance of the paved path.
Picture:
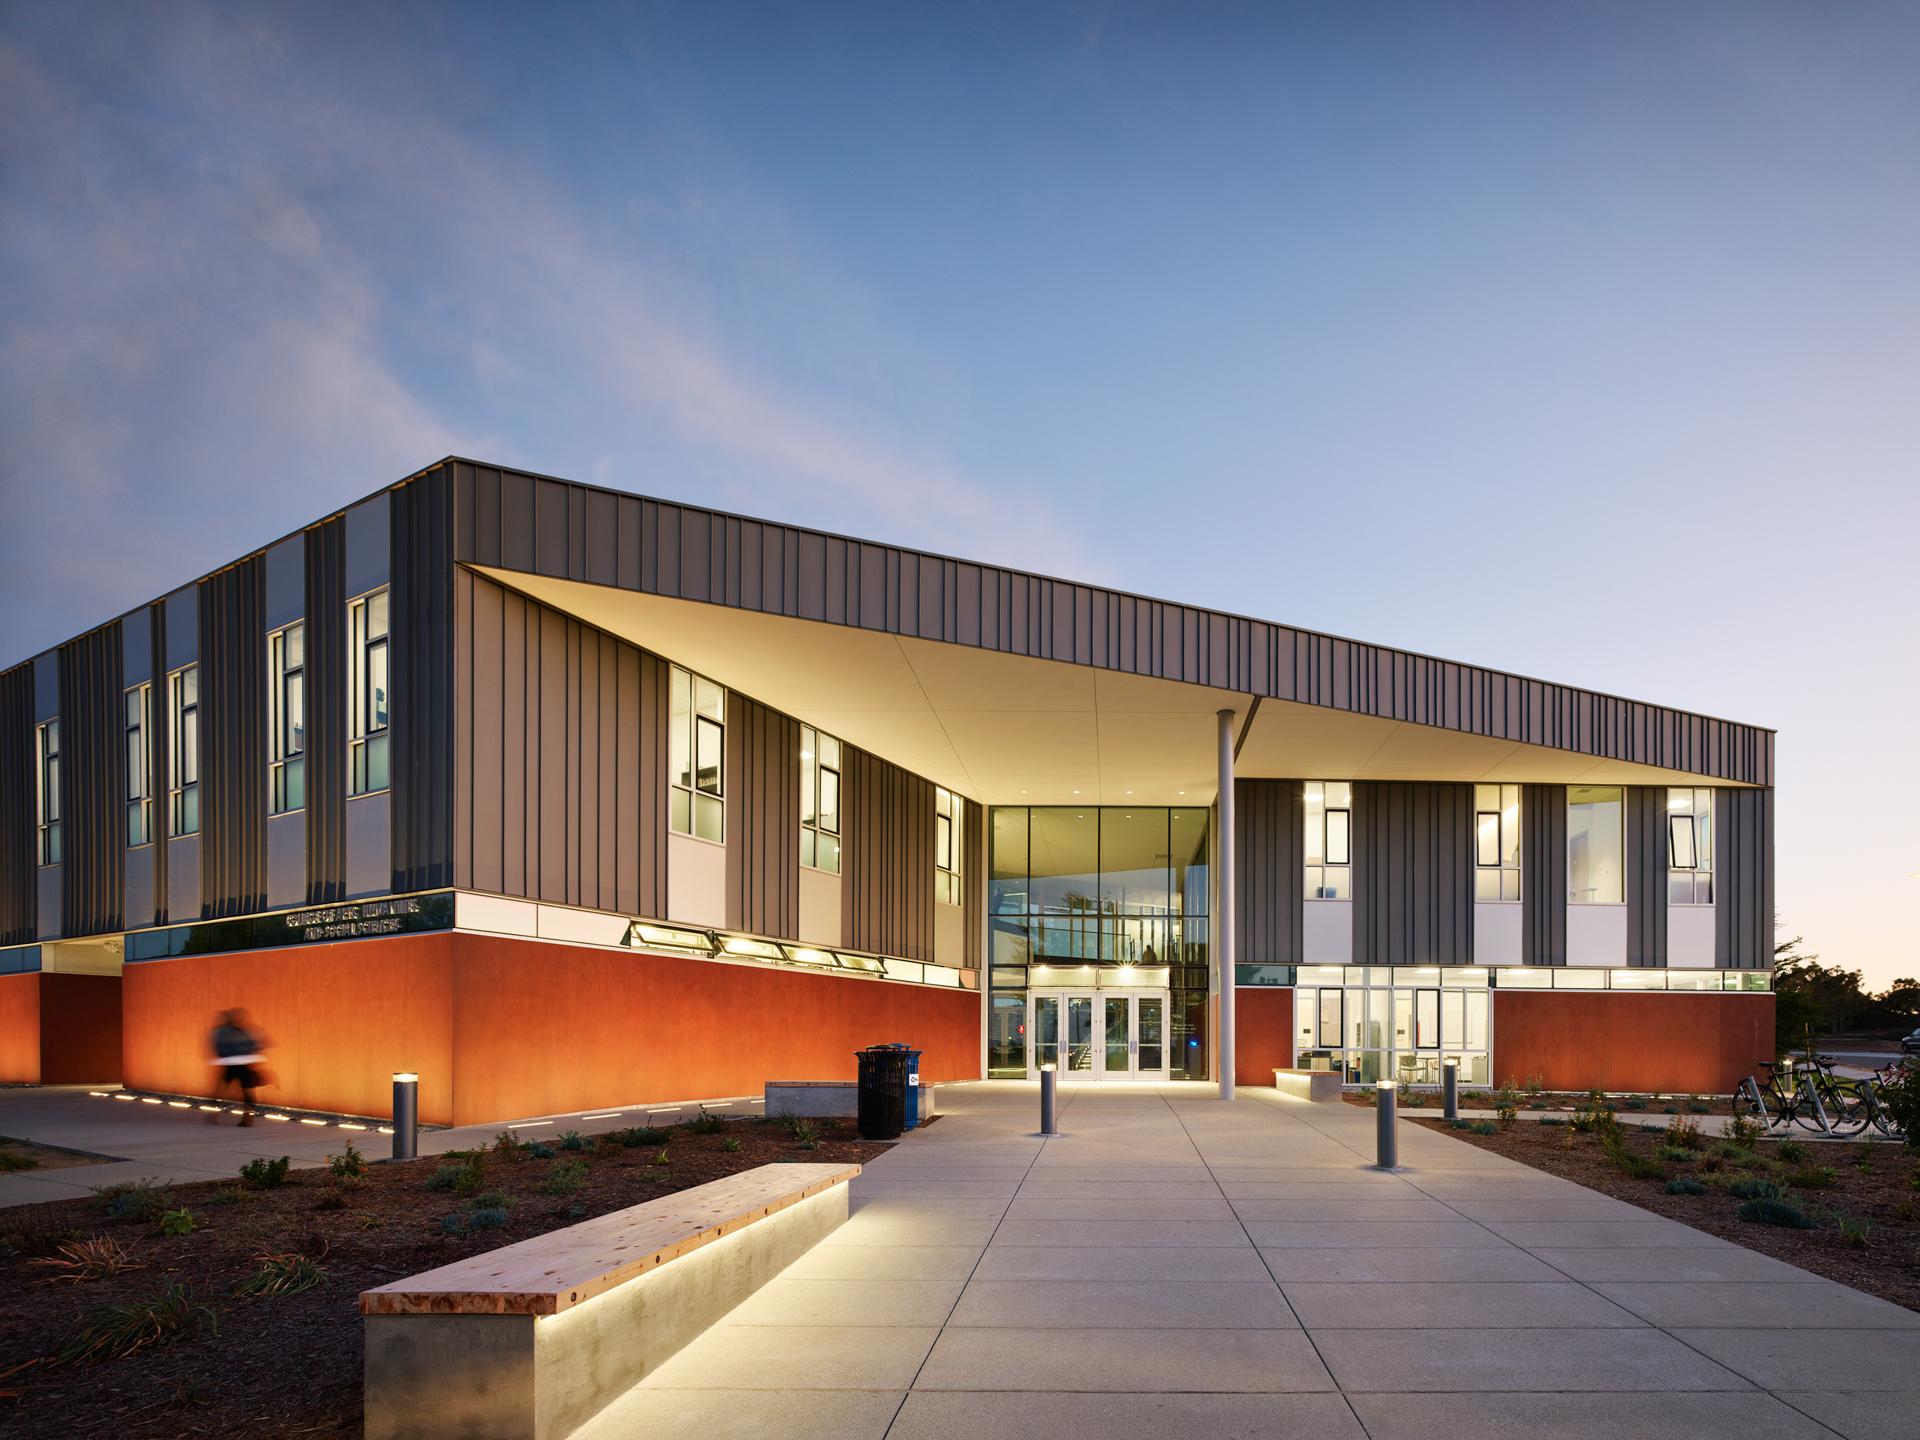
(1173, 1267)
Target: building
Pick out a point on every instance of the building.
(562, 798)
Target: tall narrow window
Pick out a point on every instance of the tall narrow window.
(183, 733)
(1690, 847)
(697, 756)
(1496, 842)
(287, 720)
(1596, 851)
(367, 694)
(48, 738)
(139, 713)
(1329, 812)
(948, 811)
(819, 800)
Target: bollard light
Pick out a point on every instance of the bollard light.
(1450, 1087)
(1049, 1093)
(1386, 1138)
(406, 1114)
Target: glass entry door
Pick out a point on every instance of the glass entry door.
(1105, 1035)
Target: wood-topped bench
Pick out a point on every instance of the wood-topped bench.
(1322, 1085)
(536, 1338)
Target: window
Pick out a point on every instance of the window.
(1596, 867)
(1496, 842)
(48, 738)
(697, 757)
(1690, 847)
(1329, 807)
(947, 816)
(183, 774)
(139, 717)
(287, 720)
(819, 800)
(368, 682)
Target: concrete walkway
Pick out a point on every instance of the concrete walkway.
(1173, 1267)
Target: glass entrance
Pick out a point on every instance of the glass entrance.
(1099, 1036)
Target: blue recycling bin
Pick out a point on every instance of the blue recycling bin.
(913, 1080)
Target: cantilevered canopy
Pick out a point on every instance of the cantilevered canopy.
(1012, 729)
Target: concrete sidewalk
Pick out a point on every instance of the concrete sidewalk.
(178, 1146)
(1172, 1266)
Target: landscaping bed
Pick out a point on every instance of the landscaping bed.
(1860, 1202)
(17, 1155)
(258, 1302)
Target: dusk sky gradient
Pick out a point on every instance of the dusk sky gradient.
(1579, 340)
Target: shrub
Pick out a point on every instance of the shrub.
(1728, 1150)
(445, 1178)
(1635, 1102)
(1743, 1132)
(706, 1124)
(282, 1275)
(1812, 1177)
(142, 1200)
(540, 1150)
(486, 1219)
(567, 1176)
(1753, 1188)
(115, 1331)
(802, 1129)
(332, 1198)
(1534, 1085)
(89, 1259)
(1506, 1103)
(1675, 1153)
(349, 1164)
(572, 1140)
(1854, 1233)
(731, 1145)
(12, 1160)
(1685, 1187)
(1697, 1106)
(1901, 1095)
(1595, 1116)
(661, 1158)
(177, 1222)
(227, 1195)
(1769, 1211)
(1791, 1151)
(509, 1146)
(1459, 1124)
(1683, 1133)
(639, 1136)
(1485, 1127)
(490, 1200)
(35, 1230)
(261, 1173)
(1553, 1120)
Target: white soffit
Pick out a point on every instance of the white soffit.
(1009, 729)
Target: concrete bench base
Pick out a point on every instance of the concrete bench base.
(491, 1376)
(1320, 1085)
(826, 1099)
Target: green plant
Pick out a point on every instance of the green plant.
(1685, 1187)
(1485, 1127)
(1853, 1233)
(89, 1259)
(572, 1140)
(445, 1178)
(567, 1176)
(1742, 1133)
(1459, 1124)
(486, 1219)
(1553, 1120)
(1752, 1188)
(490, 1200)
(1790, 1151)
(1683, 1133)
(706, 1124)
(115, 1331)
(1506, 1103)
(1727, 1150)
(334, 1197)
(1907, 1211)
(227, 1195)
(282, 1275)
(1697, 1106)
(464, 1176)
(35, 1229)
(1675, 1153)
(12, 1160)
(1768, 1211)
(731, 1145)
(1635, 1102)
(509, 1146)
(177, 1222)
(540, 1150)
(802, 1129)
(1813, 1177)
(261, 1173)
(348, 1165)
(1901, 1095)
(1595, 1116)
(142, 1200)
(1534, 1085)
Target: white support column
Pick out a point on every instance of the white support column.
(1223, 852)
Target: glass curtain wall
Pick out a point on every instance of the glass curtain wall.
(1106, 886)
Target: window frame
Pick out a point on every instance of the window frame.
(369, 746)
(286, 760)
(950, 810)
(181, 791)
(1697, 823)
(46, 784)
(814, 828)
(136, 720)
(1507, 848)
(1620, 842)
(1309, 890)
(688, 798)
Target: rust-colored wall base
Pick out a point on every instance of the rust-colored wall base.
(1582, 1040)
(499, 1028)
(60, 1029)
(1263, 1034)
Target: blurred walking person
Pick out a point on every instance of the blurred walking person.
(239, 1060)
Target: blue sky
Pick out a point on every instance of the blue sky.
(1580, 340)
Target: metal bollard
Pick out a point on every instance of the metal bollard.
(1049, 1089)
(406, 1115)
(1386, 1139)
(1450, 1087)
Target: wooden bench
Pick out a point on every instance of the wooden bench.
(1320, 1085)
(532, 1340)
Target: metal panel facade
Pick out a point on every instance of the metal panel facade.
(887, 870)
(326, 643)
(1412, 873)
(1543, 874)
(1647, 875)
(1269, 851)
(92, 822)
(1743, 914)
(763, 809)
(18, 898)
(422, 577)
(233, 741)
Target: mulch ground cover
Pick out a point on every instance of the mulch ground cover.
(1861, 1201)
(284, 1364)
(17, 1155)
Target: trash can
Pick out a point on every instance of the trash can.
(882, 1091)
(913, 1086)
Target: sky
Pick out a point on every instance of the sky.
(1577, 340)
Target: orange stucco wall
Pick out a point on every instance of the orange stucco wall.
(1263, 1034)
(499, 1028)
(20, 1028)
(1580, 1040)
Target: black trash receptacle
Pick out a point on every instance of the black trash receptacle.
(883, 1091)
